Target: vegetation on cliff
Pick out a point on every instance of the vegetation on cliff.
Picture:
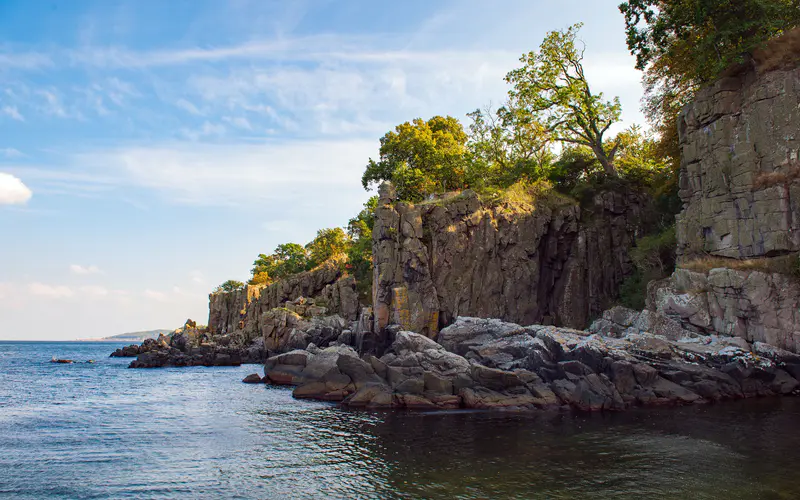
(551, 137)
(682, 45)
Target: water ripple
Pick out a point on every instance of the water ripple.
(102, 431)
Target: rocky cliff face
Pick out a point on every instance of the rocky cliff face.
(740, 141)
(554, 263)
(243, 312)
(751, 305)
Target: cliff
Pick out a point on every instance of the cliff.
(244, 312)
(739, 160)
(549, 262)
(739, 231)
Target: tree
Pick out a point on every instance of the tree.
(551, 89)
(421, 158)
(229, 286)
(682, 45)
(506, 146)
(359, 254)
(328, 243)
(288, 259)
(701, 38)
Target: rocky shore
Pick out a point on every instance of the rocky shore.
(191, 346)
(490, 364)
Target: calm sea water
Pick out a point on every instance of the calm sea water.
(103, 431)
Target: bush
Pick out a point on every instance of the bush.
(653, 258)
(229, 286)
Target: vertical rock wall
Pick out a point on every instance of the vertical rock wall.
(554, 264)
(740, 142)
(740, 184)
(243, 312)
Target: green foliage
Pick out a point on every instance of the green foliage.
(550, 90)
(701, 38)
(682, 45)
(653, 258)
(359, 254)
(328, 243)
(229, 286)
(505, 147)
(421, 158)
(288, 259)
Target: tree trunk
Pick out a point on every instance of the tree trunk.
(605, 161)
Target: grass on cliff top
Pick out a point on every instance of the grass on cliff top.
(788, 265)
(522, 197)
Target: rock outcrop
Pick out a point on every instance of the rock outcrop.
(740, 142)
(740, 185)
(490, 364)
(752, 305)
(191, 346)
(552, 262)
(246, 313)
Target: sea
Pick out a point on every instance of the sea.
(101, 430)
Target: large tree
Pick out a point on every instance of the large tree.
(421, 158)
(551, 89)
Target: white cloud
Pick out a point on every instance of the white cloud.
(50, 291)
(13, 191)
(30, 60)
(6, 290)
(238, 122)
(207, 130)
(13, 112)
(233, 174)
(79, 269)
(53, 104)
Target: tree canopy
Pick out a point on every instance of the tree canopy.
(684, 44)
(229, 286)
(550, 91)
(421, 158)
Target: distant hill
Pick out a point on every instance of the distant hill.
(133, 337)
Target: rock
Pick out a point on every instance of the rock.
(253, 378)
(241, 313)
(130, 351)
(553, 367)
(739, 148)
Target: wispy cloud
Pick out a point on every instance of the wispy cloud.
(24, 60)
(188, 107)
(13, 112)
(11, 153)
(81, 270)
(50, 291)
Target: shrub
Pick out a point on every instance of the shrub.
(653, 258)
(229, 286)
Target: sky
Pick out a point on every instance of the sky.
(150, 150)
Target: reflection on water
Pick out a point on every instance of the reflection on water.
(102, 431)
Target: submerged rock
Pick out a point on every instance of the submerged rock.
(489, 364)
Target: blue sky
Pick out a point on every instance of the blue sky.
(149, 150)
